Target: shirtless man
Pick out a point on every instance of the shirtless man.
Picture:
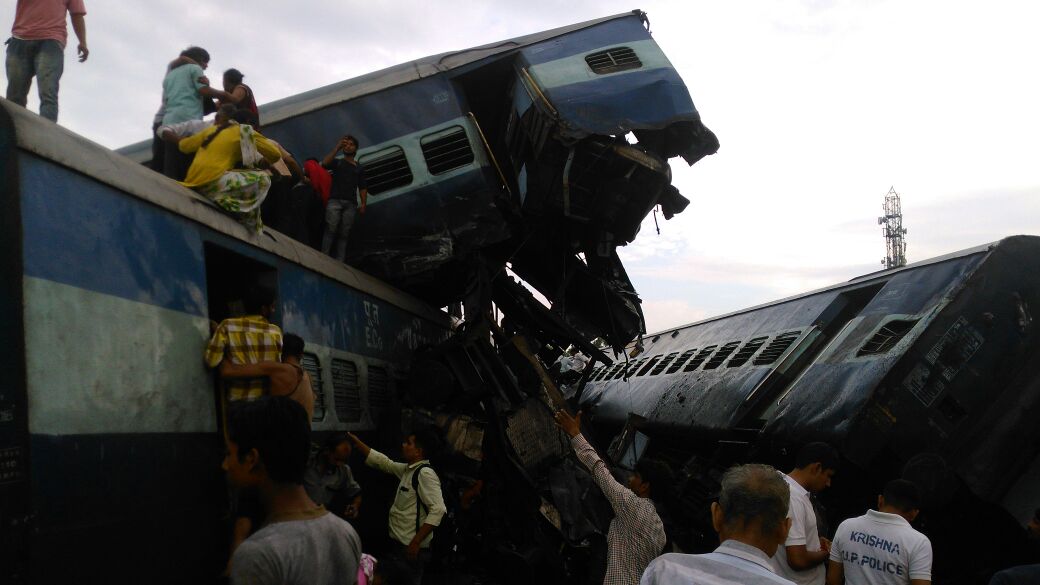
(288, 378)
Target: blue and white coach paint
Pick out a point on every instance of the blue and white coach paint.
(109, 444)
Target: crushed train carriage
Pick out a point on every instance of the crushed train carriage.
(513, 152)
(931, 371)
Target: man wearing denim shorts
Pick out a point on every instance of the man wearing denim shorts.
(37, 49)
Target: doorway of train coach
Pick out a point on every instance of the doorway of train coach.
(229, 276)
(766, 398)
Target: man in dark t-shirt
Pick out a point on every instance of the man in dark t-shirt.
(348, 184)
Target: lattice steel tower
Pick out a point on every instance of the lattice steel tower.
(894, 231)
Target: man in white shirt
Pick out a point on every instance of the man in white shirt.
(803, 555)
(751, 519)
(881, 548)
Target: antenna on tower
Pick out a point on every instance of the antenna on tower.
(894, 231)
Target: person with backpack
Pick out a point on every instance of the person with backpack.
(418, 504)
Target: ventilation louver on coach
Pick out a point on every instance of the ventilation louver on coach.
(379, 397)
(613, 60)
(385, 170)
(312, 366)
(346, 392)
(446, 150)
(776, 348)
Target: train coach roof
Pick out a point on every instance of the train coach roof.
(396, 75)
(50, 141)
(859, 280)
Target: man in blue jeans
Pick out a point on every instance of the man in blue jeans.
(37, 49)
(348, 185)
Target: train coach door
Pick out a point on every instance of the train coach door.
(229, 275)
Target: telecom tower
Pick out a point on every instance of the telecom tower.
(894, 231)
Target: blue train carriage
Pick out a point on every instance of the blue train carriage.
(510, 152)
(109, 445)
(939, 357)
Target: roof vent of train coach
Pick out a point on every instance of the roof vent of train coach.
(613, 60)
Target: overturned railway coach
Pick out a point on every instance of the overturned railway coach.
(516, 151)
(931, 371)
(109, 421)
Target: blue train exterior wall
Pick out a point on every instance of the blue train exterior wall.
(111, 428)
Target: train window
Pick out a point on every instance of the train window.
(682, 360)
(627, 369)
(446, 150)
(887, 337)
(346, 391)
(746, 352)
(609, 373)
(776, 348)
(646, 368)
(664, 363)
(699, 358)
(613, 60)
(723, 353)
(386, 169)
(312, 366)
(379, 394)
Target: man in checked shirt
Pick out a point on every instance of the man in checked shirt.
(250, 339)
(636, 534)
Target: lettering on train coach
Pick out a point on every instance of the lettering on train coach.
(372, 337)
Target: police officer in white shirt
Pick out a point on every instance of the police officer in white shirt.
(881, 548)
(804, 554)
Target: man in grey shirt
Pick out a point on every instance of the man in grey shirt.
(751, 519)
(268, 441)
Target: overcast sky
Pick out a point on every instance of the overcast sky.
(820, 107)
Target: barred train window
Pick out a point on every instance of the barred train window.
(446, 150)
(379, 397)
(312, 366)
(386, 169)
(346, 391)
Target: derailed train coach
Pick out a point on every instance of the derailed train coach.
(930, 372)
(111, 276)
(512, 152)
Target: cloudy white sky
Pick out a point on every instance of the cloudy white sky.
(820, 106)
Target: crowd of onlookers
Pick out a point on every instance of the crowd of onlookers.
(295, 503)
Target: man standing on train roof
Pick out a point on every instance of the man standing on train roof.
(636, 534)
(881, 548)
(37, 49)
(301, 543)
(751, 519)
(802, 557)
(418, 503)
(348, 184)
(249, 339)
